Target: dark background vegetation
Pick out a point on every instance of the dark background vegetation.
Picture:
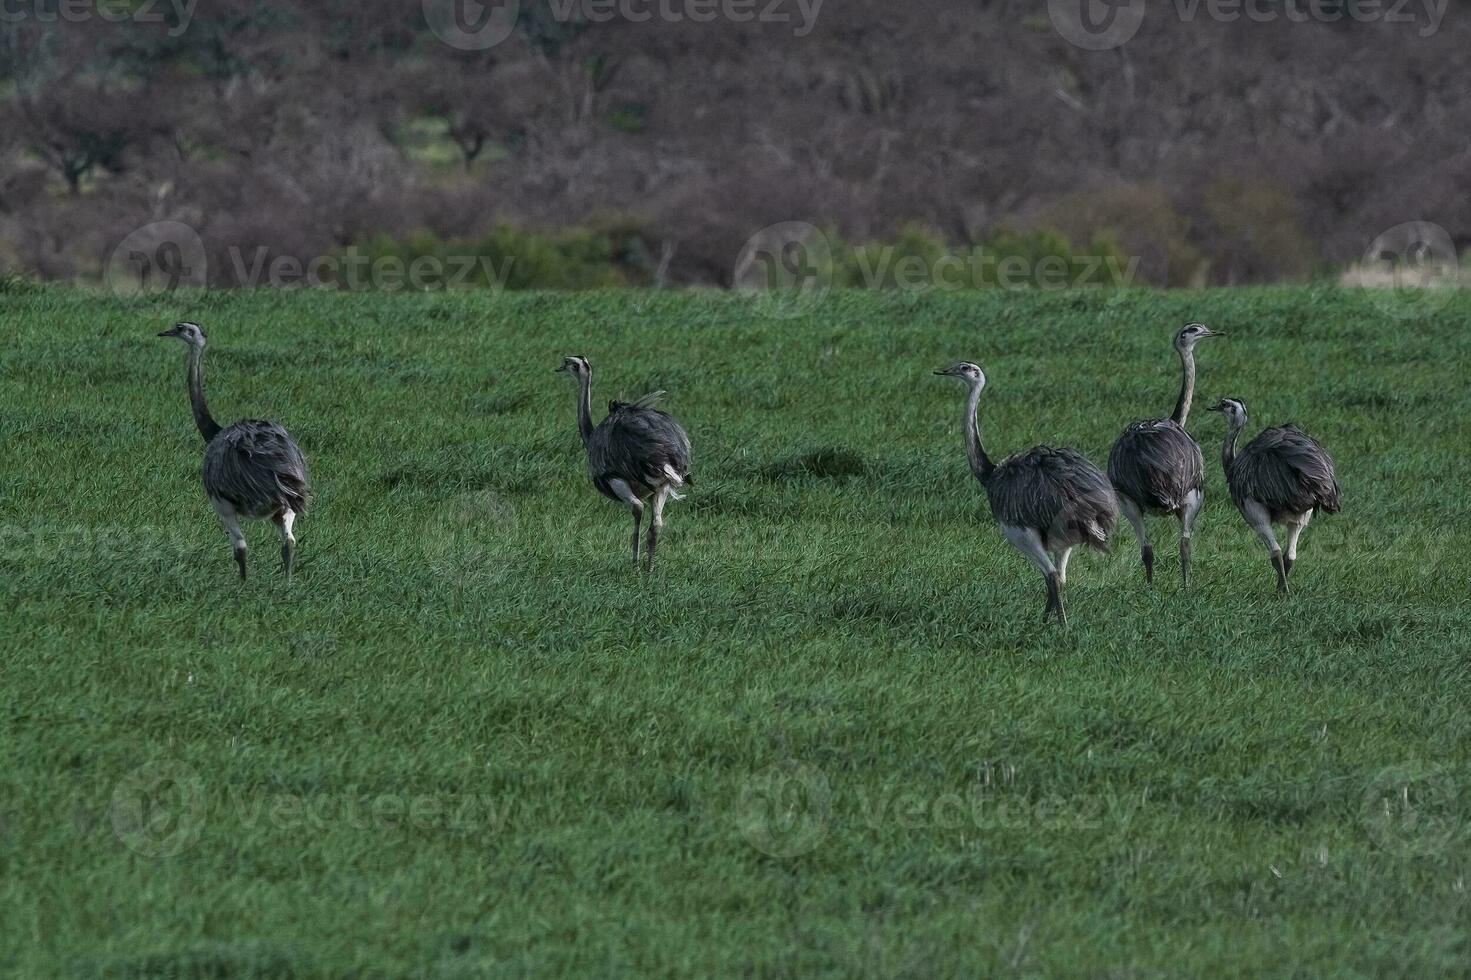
(1215, 153)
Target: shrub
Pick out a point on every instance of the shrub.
(1045, 257)
(920, 259)
(907, 261)
(516, 258)
(1256, 234)
(1141, 219)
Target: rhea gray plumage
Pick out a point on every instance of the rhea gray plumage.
(1047, 501)
(1158, 469)
(1282, 477)
(637, 456)
(252, 469)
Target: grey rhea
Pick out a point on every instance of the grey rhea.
(1156, 467)
(638, 455)
(1047, 501)
(252, 469)
(1282, 477)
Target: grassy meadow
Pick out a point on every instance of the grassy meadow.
(829, 737)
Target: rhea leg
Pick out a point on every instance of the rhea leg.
(1136, 518)
(284, 521)
(656, 524)
(1062, 559)
(1294, 529)
(1261, 522)
(231, 520)
(1029, 542)
(635, 506)
(1193, 502)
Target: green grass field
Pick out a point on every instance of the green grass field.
(829, 737)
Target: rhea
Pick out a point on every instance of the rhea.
(637, 456)
(1047, 501)
(1156, 467)
(252, 469)
(1283, 476)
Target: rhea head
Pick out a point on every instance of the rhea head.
(966, 371)
(1234, 409)
(190, 333)
(1189, 334)
(577, 366)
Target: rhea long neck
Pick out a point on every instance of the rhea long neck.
(208, 427)
(1228, 448)
(980, 463)
(1187, 387)
(584, 407)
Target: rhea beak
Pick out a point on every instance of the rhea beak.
(171, 332)
(1217, 407)
(942, 372)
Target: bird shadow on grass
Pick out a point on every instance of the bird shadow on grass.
(822, 463)
(214, 960)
